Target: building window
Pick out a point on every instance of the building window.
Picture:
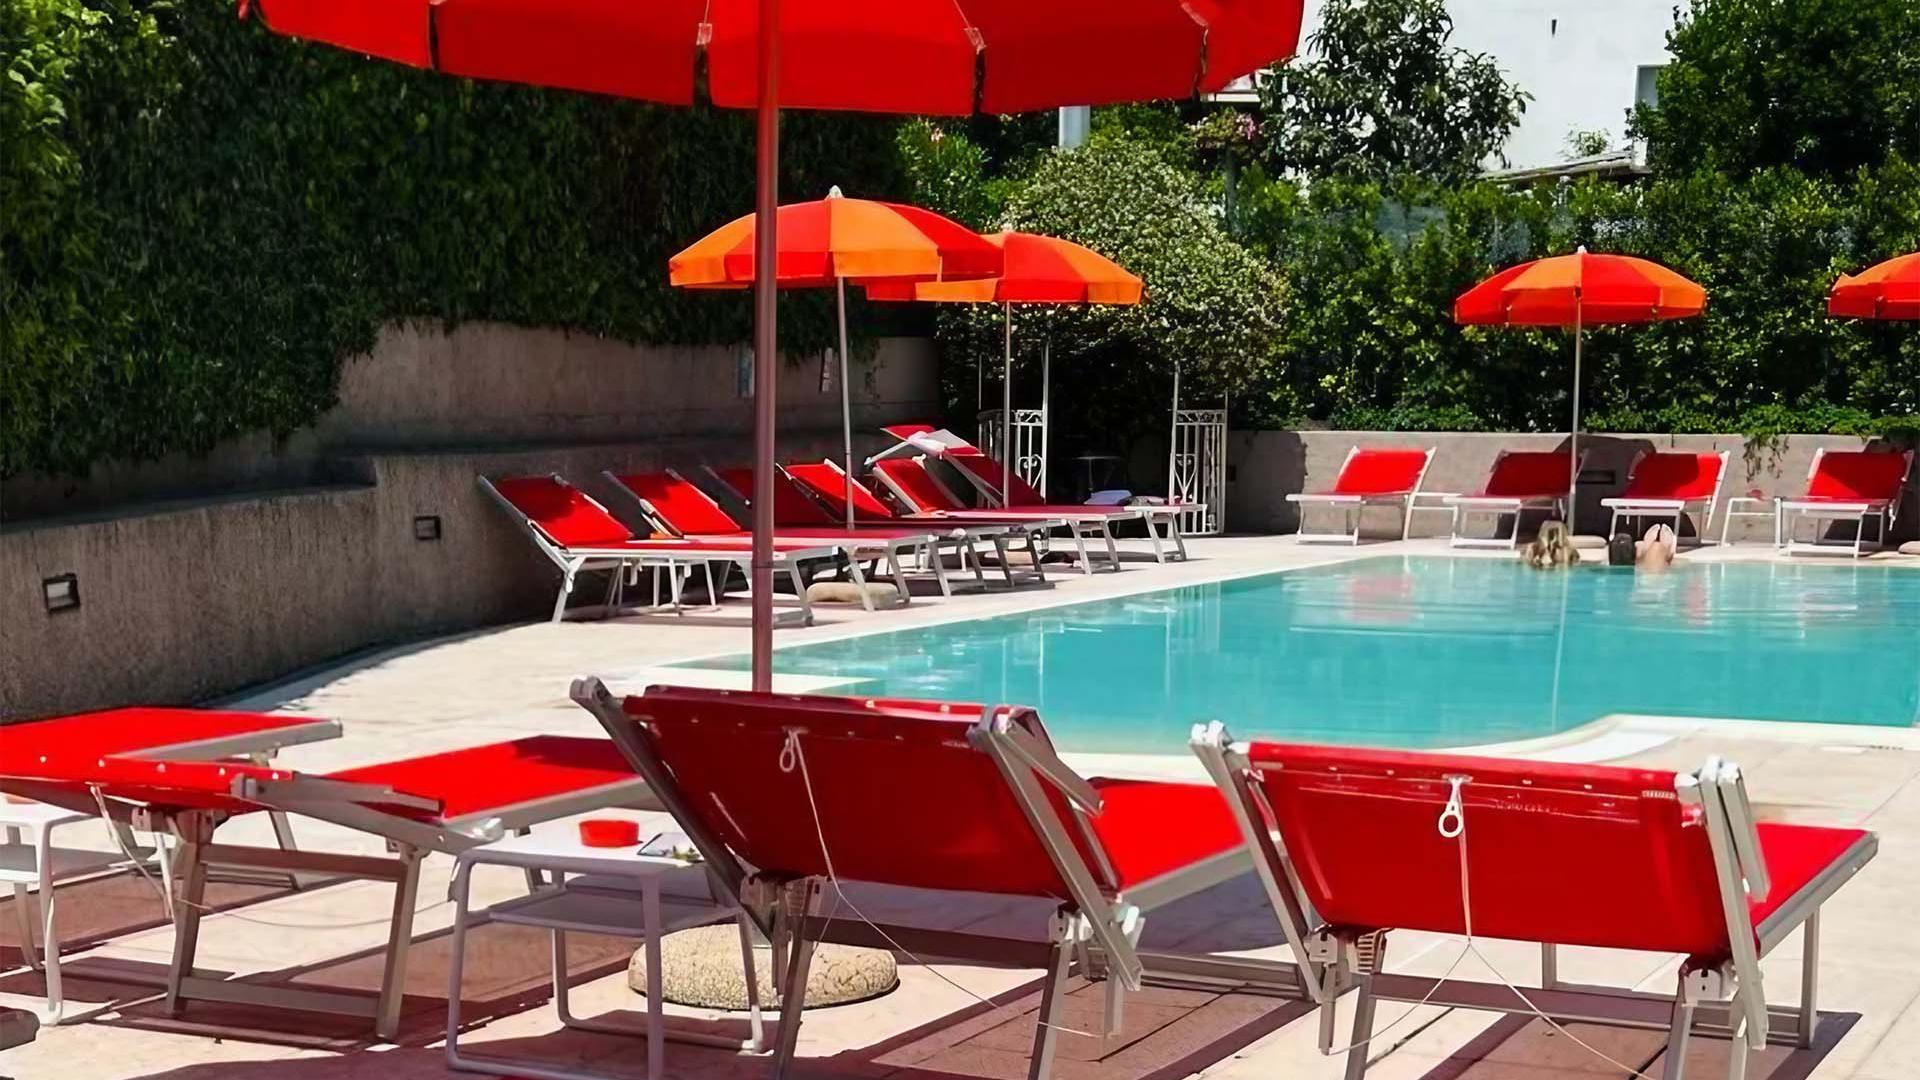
(1646, 84)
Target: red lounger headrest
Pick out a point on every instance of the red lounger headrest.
(1378, 471)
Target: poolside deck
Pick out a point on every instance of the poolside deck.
(513, 681)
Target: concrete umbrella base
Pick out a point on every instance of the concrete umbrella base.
(701, 968)
(1911, 547)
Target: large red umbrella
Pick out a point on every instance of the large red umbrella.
(1888, 290)
(831, 240)
(1039, 270)
(1578, 290)
(947, 57)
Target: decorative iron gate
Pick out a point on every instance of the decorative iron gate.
(1029, 443)
(1197, 469)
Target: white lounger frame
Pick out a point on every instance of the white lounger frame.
(1676, 509)
(1464, 506)
(853, 551)
(1789, 513)
(1162, 519)
(1080, 527)
(967, 535)
(1727, 1001)
(619, 563)
(1355, 506)
(1098, 929)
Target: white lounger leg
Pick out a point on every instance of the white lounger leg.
(1080, 542)
(1053, 997)
(793, 994)
(194, 833)
(1680, 1029)
(1153, 538)
(1113, 550)
(386, 1016)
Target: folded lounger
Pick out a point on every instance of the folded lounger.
(444, 802)
(578, 534)
(1668, 485)
(1521, 480)
(829, 483)
(1370, 476)
(915, 487)
(795, 507)
(1162, 519)
(787, 795)
(1847, 485)
(678, 507)
(173, 734)
(1590, 855)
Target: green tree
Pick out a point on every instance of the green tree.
(1826, 86)
(1379, 92)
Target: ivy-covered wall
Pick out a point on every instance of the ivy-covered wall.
(202, 221)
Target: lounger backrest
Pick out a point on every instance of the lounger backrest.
(986, 472)
(1858, 475)
(791, 504)
(899, 795)
(1675, 476)
(1574, 854)
(917, 487)
(563, 512)
(678, 506)
(828, 483)
(1520, 474)
(1381, 471)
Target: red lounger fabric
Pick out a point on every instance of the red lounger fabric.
(1570, 854)
(1380, 472)
(478, 779)
(133, 730)
(563, 512)
(902, 797)
(1684, 477)
(1529, 474)
(1857, 476)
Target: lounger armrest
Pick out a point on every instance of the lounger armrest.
(1620, 503)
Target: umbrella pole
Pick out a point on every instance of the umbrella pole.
(1173, 437)
(1573, 436)
(846, 404)
(765, 340)
(1006, 410)
(1046, 408)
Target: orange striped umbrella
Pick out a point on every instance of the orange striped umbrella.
(1039, 270)
(828, 242)
(1575, 290)
(1888, 290)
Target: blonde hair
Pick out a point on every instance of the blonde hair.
(1552, 549)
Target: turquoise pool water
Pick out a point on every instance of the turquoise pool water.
(1421, 652)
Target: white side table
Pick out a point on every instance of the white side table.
(31, 864)
(1744, 506)
(610, 891)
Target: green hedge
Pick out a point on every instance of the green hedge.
(203, 220)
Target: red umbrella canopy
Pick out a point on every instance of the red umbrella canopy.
(1888, 290)
(823, 241)
(1039, 270)
(1582, 287)
(909, 56)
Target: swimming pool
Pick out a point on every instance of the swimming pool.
(1420, 652)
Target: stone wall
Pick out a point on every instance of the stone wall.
(1265, 465)
(198, 577)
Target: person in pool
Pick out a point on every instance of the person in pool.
(1657, 550)
(1551, 549)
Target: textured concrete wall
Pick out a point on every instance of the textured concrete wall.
(1266, 465)
(283, 558)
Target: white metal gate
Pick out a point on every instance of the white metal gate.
(1198, 469)
(1029, 443)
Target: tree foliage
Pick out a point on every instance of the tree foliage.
(1823, 86)
(1379, 92)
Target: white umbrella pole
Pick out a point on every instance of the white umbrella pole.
(1173, 436)
(1046, 408)
(1006, 411)
(846, 403)
(766, 366)
(1573, 437)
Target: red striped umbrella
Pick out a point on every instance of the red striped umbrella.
(1888, 290)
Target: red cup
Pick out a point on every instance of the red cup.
(609, 832)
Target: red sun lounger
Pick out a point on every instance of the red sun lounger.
(1521, 480)
(678, 507)
(1374, 841)
(785, 796)
(796, 511)
(1162, 519)
(444, 803)
(915, 487)
(578, 534)
(829, 483)
(1846, 485)
(1370, 476)
(1667, 485)
(173, 734)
